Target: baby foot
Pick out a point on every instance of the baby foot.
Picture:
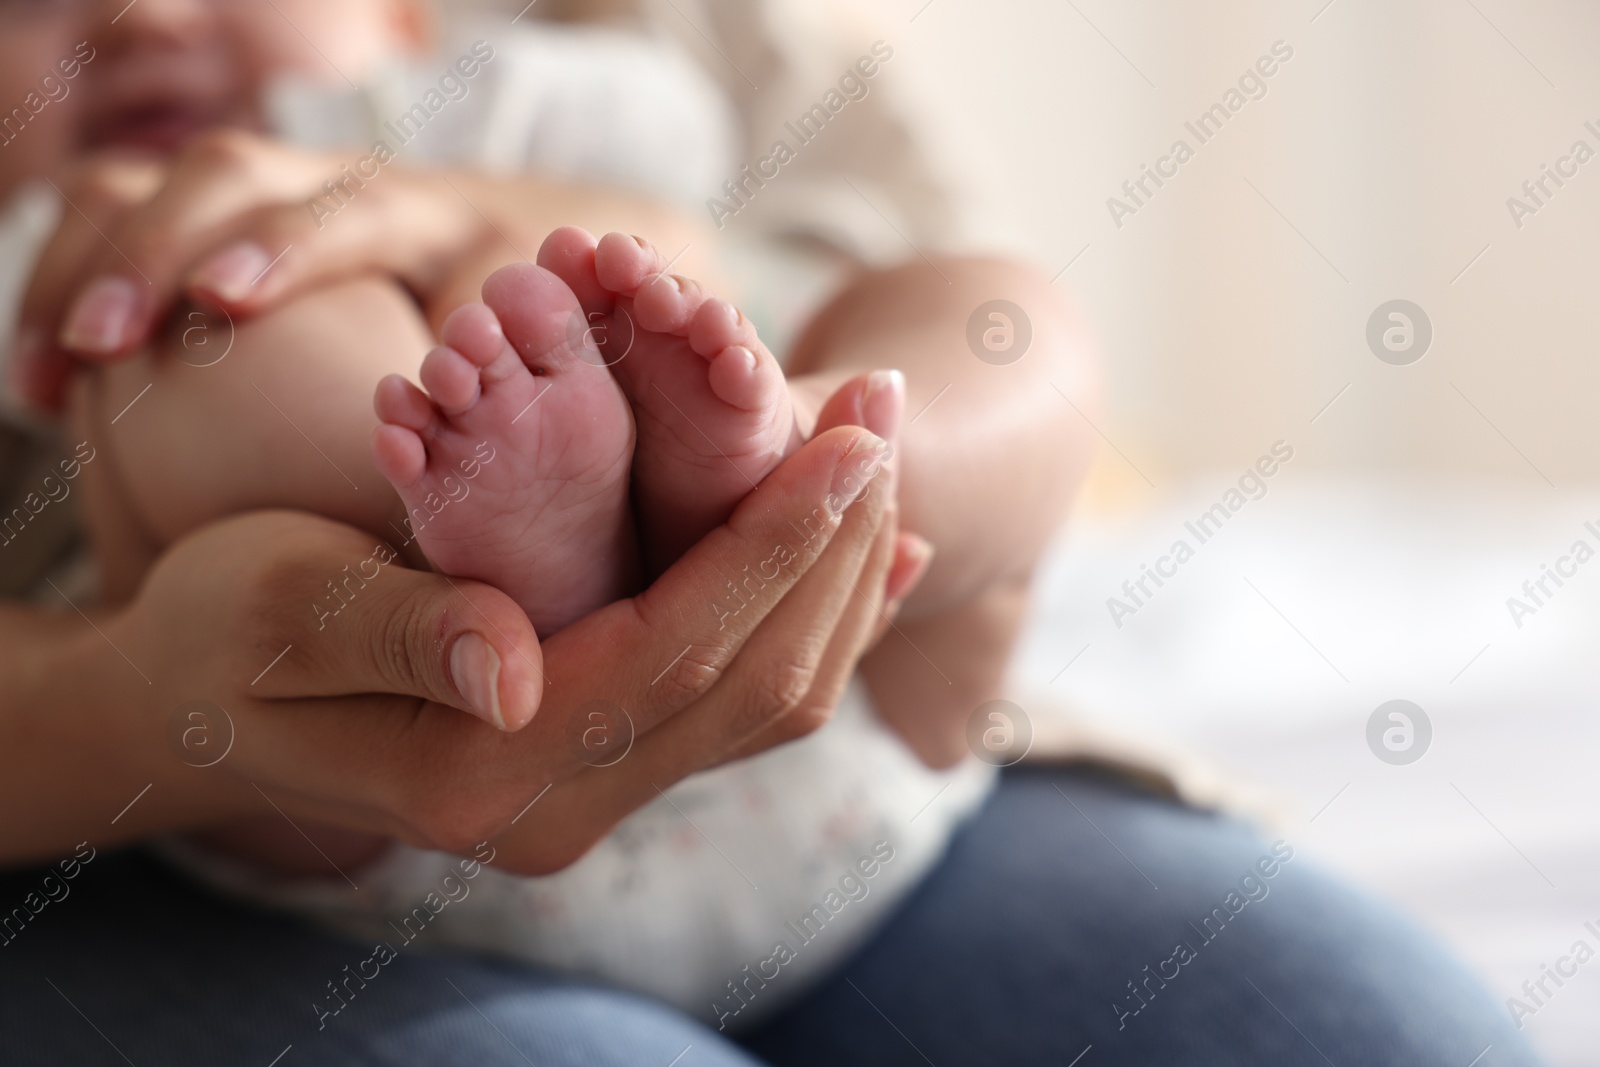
(514, 466)
(711, 405)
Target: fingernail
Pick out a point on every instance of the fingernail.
(233, 272)
(859, 466)
(100, 318)
(884, 404)
(475, 669)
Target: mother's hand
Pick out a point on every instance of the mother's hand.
(245, 222)
(697, 673)
(139, 236)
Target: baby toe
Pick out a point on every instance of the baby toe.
(569, 254)
(398, 454)
(622, 263)
(398, 401)
(451, 379)
(668, 303)
(718, 325)
(743, 379)
(540, 315)
(474, 331)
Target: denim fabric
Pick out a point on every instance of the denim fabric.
(136, 965)
(1050, 931)
(1052, 926)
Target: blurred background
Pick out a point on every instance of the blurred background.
(1232, 312)
(1377, 166)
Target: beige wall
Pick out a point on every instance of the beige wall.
(1391, 140)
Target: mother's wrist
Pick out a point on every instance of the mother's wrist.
(65, 755)
(97, 700)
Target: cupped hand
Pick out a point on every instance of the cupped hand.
(356, 719)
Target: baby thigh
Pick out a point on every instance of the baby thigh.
(272, 412)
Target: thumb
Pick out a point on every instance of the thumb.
(388, 629)
(875, 400)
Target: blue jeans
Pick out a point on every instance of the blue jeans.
(1074, 916)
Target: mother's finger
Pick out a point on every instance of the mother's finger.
(95, 197)
(816, 631)
(822, 627)
(863, 619)
(404, 224)
(876, 400)
(680, 635)
(130, 286)
(347, 618)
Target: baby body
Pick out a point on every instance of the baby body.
(721, 870)
(578, 429)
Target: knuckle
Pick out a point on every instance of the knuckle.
(806, 719)
(691, 676)
(281, 590)
(265, 583)
(780, 687)
(396, 643)
(775, 691)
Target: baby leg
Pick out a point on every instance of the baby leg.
(216, 418)
(965, 418)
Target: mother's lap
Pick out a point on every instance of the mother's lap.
(1053, 925)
